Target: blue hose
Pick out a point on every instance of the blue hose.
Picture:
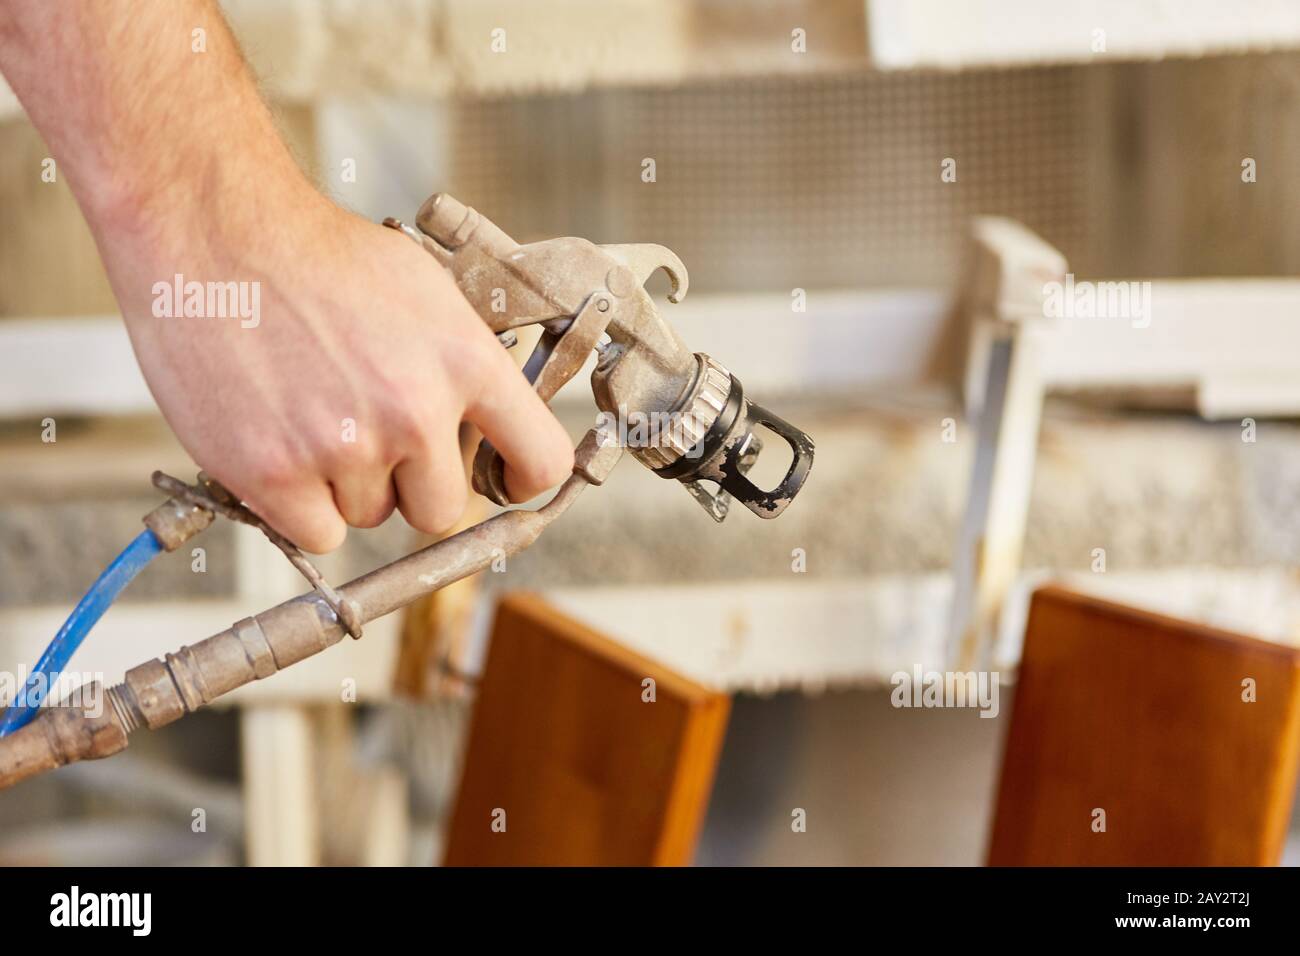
(83, 617)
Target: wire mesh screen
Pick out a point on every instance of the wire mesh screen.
(779, 183)
(776, 183)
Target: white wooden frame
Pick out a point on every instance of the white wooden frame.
(1233, 344)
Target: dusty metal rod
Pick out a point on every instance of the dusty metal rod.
(61, 735)
(395, 585)
(159, 692)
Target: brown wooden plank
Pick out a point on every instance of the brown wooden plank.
(1143, 716)
(586, 771)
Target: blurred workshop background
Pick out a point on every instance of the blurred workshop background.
(820, 167)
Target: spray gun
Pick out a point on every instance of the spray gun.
(584, 297)
(588, 297)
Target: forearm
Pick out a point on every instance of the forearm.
(341, 398)
(142, 126)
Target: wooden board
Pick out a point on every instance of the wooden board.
(1142, 716)
(586, 772)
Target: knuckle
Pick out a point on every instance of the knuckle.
(370, 514)
(546, 471)
(274, 472)
(438, 513)
(404, 424)
(531, 479)
(323, 539)
(475, 362)
(560, 466)
(448, 507)
(360, 449)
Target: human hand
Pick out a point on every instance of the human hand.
(333, 394)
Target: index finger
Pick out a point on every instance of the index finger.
(534, 445)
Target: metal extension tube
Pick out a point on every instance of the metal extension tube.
(161, 691)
